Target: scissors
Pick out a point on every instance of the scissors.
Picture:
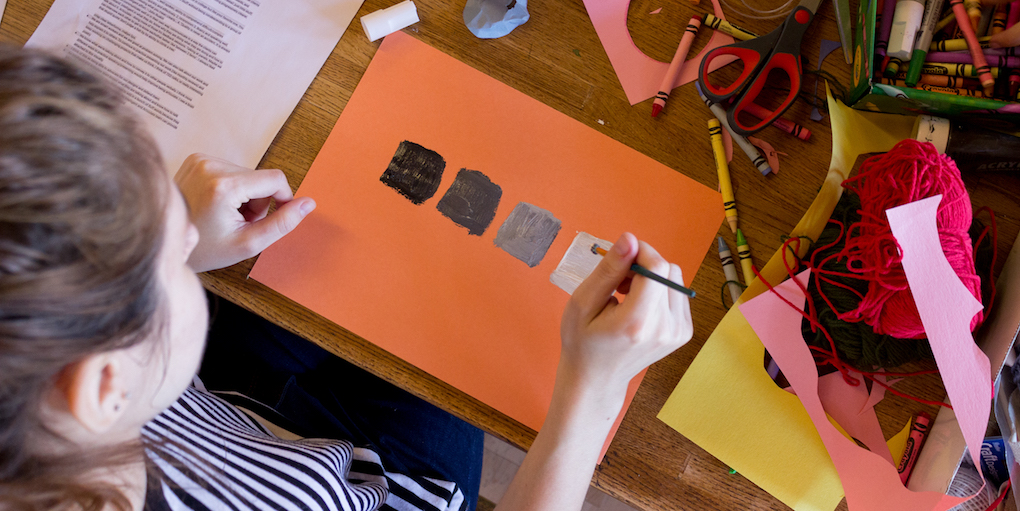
(779, 49)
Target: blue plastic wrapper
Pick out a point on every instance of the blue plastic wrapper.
(993, 460)
(489, 19)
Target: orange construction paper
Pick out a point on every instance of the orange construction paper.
(639, 74)
(408, 279)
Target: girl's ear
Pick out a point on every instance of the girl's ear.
(94, 390)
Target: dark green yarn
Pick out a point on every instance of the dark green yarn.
(856, 343)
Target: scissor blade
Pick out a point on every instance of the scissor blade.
(811, 5)
(843, 23)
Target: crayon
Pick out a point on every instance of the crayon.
(676, 64)
(958, 82)
(882, 39)
(945, 22)
(1012, 51)
(957, 44)
(892, 67)
(788, 126)
(965, 58)
(955, 92)
(945, 68)
(723, 171)
(931, 13)
(757, 160)
(972, 10)
(729, 269)
(1014, 74)
(998, 19)
(744, 253)
(975, 48)
(955, 69)
(985, 22)
(918, 434)
(942, 89)
(728, 28)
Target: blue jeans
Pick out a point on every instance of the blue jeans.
(322, 396)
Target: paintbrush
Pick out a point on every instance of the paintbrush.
(645, 272)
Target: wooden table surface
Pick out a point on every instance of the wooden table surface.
(557, 58)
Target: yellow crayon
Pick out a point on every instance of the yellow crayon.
(729, 202)
(744, 253)
(973, 8)
(943, 68)
(728, 28)
(957, 44)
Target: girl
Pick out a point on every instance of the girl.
(103, 324)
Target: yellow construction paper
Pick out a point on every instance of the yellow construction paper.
(726, 402)
(898, 443)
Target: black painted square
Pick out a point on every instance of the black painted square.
(471, 201)
(414, 171)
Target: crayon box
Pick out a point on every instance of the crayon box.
(866, 93)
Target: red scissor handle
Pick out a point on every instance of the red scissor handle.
(779, 49)
(787, 62)
(751, 53)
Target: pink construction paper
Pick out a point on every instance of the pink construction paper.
(869, 481)
(878, 391)
(657, 11)
(639, 74)
(946, 308)
(848, 405)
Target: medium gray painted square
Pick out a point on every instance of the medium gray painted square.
(528, 233)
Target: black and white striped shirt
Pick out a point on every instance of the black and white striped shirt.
(212, 456)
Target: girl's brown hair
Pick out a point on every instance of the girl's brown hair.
(83, 196)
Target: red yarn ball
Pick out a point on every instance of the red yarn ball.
(909, 172)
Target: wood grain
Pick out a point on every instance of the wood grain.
(556, 57)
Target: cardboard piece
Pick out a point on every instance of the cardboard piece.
(639, 74)
(763, 432)
(409, 279)
(945, 446)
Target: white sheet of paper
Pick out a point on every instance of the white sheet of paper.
(212, 76)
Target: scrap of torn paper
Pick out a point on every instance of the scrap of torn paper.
(825, 48)
(657, 11)
(770, 152)
(198, 72)
(851, 407)
(869, 481)
(639, 74)
(946, 308)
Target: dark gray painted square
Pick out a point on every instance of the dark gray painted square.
(471, 201)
